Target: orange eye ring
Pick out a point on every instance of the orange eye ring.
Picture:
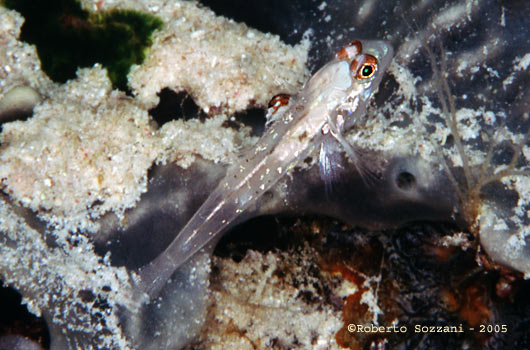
(364, 67)
(366, 71)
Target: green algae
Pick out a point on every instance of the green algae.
(68, 37)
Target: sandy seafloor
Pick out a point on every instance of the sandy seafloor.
(88, 152)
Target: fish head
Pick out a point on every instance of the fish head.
(366, 62)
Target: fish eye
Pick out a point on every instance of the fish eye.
(366, 71)
(364, 67)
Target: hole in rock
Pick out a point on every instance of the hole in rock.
(175, 105)
(252, 117)
(180, 105)
(405, 181)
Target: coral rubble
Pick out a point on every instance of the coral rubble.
(93, 188)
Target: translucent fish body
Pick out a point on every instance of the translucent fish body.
(332, 101)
